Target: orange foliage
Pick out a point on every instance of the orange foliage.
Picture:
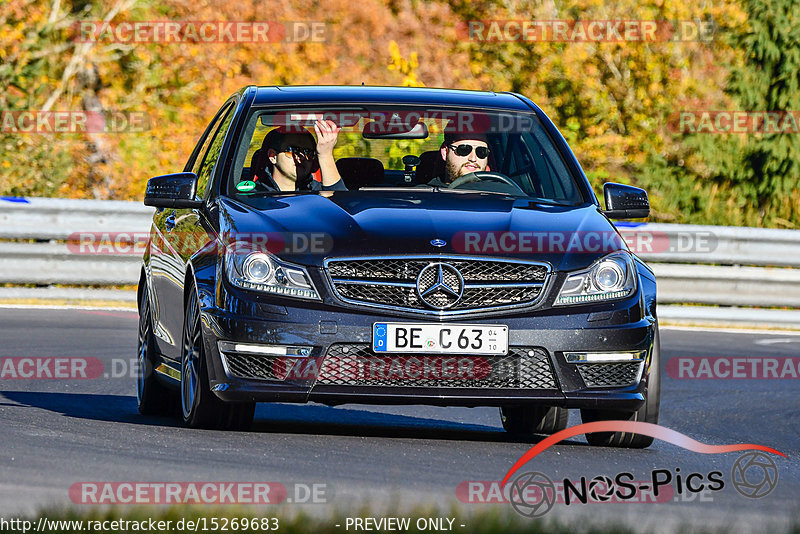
(611, 100)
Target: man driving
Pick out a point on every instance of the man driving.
(462, 153)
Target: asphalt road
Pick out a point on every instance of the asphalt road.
(55, 433)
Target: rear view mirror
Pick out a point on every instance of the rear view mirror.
(625, 202)
(394, 128)
(172, 191)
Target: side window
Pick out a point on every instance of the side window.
(209, 152)
(211, 157)
(207, 141)
(551, 168)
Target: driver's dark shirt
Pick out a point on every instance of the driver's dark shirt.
(438, 182)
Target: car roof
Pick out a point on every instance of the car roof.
(359, 94)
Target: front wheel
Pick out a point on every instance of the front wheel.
(647, 412)
(200, 408)
(525, 421)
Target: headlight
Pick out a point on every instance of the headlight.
(261, 271)
(612, 277)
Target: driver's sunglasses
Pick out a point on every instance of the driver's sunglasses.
(305, 153)
(465, 150)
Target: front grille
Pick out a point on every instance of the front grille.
(472, 284)
(354, 364)
(407, 297)
(610, 374)
(478, 270)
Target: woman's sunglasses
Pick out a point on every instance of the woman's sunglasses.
(465, 150)
(305, 153)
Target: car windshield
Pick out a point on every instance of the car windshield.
(444, 150)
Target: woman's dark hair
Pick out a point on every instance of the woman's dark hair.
(275, 136)
(274, 139)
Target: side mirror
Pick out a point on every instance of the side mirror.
(172, 191)
(625, 202)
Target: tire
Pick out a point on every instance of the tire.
(153, 397)
(524, 421)
(648, 412)
(241, 416)
(200, 408)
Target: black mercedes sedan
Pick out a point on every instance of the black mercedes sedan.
(386, 245)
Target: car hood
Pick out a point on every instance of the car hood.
(311, 227)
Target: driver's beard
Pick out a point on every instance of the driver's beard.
(452, 171)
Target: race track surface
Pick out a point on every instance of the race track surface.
(56, 433)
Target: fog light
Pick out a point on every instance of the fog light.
(605, 357)
(266, 350)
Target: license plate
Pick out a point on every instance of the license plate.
(440, 338)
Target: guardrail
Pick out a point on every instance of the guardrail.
(720, 265)
(694, 264)
(720, 245)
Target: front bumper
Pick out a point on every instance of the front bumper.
(549, 333)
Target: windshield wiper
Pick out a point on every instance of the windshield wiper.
(421, 187)
(550, 201)
(463, 191)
